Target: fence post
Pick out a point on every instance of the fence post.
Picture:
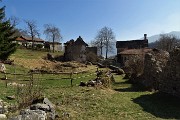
(71, 78)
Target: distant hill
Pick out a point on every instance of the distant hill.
(156, 37)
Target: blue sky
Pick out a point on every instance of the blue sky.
(129, 19)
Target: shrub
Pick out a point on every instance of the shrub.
(39, 46)
(91, 57)
(134, 67)
(28, 93)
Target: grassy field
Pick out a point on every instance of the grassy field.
(123, 101)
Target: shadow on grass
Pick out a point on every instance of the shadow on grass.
(160, 105)
(120, 83)
(132, 88)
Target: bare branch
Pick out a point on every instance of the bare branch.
(105, 39)
(32, 30)
(52, 33)
(14, 20)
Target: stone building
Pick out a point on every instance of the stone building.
(49, 45)
(75, 50)
(78, 50)
(91, 50)
(131, 53)
(131, 44)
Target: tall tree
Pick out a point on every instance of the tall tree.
(105, 38)
(52, 33)
(32, 30)
(7, 47)
(99, 43)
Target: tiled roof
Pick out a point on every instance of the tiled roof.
(21, 38)
(132, 43)
(48, 42)
(79, 41)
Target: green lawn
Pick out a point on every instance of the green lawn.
(123, 101)
(31, 54)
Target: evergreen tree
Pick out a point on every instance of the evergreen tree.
(7, 47)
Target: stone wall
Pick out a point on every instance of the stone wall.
(154, 63)
(170, 79)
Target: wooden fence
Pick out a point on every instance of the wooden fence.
(18, 77)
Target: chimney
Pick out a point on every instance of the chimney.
(145, 36)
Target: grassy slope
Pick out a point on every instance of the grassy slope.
(122, 101)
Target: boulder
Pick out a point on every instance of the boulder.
(1, 107)
(12, 97)
(30, 115)
(49, 103)
(154, 63)
(40, 106)
(3, 117)
(170, 77)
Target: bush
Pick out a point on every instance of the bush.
(39, 46)
(91, 57)
(134, 67)
(28, 93)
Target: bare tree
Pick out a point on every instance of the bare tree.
(52, 33)
(32, 30)
(167, 42)
(105, 38)
(99, 44)
(14, 20)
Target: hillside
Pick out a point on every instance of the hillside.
(120, 101)
(156, 37)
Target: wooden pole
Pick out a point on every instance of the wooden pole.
(71, 79)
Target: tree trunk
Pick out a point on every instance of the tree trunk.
(106, 51)
(53, 42)
(101, 48)
(32, 42)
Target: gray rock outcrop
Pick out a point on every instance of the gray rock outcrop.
(170, 79)
(39, 111)
(154, 63)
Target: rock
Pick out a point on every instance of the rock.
(3, 116)
(39, 111)
(49, 103)
(170, 77)
(40, 106)
(154, 63)
(50, 57)
(1, 107)
(82, 84)
(12, 97)
(52, 113)
(32, 115)
(91, 83)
